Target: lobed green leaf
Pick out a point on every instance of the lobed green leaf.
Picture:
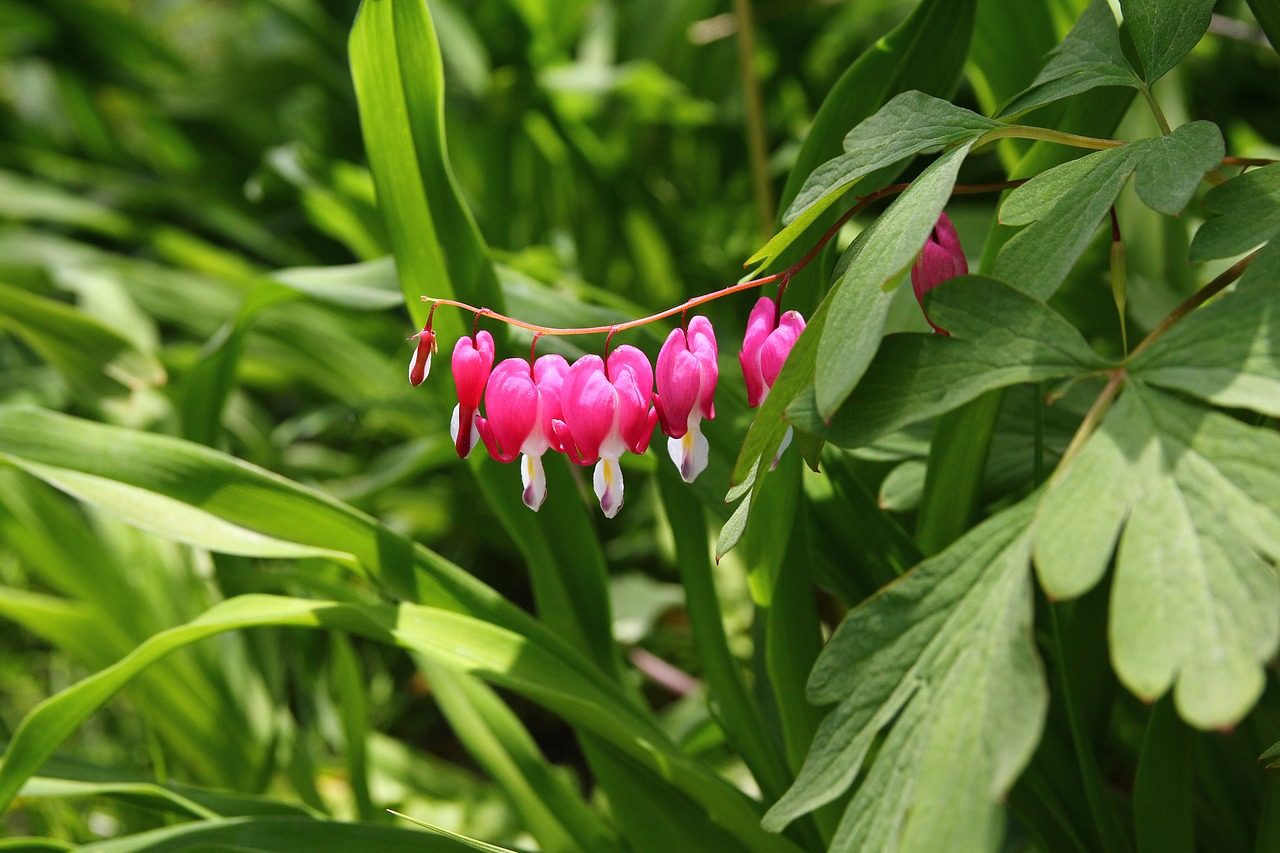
(1164, 31)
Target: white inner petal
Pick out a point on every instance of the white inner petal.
(607, 481)
(690, 452)
(534, 479)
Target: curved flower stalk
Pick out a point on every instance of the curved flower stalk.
(686, 376)
(472, 363)
(522, 400)
(765, 348)
(606, 411)
(941, 259)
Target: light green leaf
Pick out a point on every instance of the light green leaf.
(1065, 205)
(1248, 209)
(94, 357)
(912, 123)
(265, 835)
(944, 659)
(367, 286)
(1089, 57)
(1164, 31)
(1227, 352)
(399, 82)
(1194, 604)
(1000, 337)
(178, 799)
(850, 337)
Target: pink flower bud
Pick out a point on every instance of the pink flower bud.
(521, 401)
(765, 347)
(420, 363)
(686, 377)
(942, 258)
(472, 362)
(606, 411)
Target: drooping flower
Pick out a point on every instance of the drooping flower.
(942, 258)
(686, 379)
(765, 348)
(420, 363)
(606, 411)
(521, 401)
(472, 363)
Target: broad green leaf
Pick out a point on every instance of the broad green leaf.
(547, 676)
(1000, 337)
(926, 53)
(1066, 204)
(367, 286)
(1195, 604)
(944, 659)
(1164, 31)
(1268, 14)
(849, 340)
(266, 835)
(1089, 57)
(399, 83)
(1227, 352)
(1248, 209)
(94, 357)
(912, 123)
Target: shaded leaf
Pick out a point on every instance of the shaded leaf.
(271, 834)
(1089, 57)
(1000, 337)
(1248, 209)
(944, 659)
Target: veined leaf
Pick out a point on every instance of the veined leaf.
(1000, 337)
(1066, 204)
(1248, 209)
(900, 232)
(1194, 497)
(1164, 31)
(944, 659)
(912, 123)
(1227, 352)
(1089, 57)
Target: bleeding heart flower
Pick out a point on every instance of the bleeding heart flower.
(942, 258)
(606, 411)
(765, 348)
(686, 376)
(420, 363)
(472, 362)
(521, 401)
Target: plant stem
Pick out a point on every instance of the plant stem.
(1155, 110)
(1201, 296)
(754, 115)
(1023, 131)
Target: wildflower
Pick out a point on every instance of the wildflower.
(472, 362)
(765, 348)
(420, 363)
(606, 411)
(942, 258)
(686, 377)
(521, 401)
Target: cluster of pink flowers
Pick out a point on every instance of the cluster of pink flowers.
(597, 409)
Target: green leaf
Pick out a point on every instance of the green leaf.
(1248, 209)
(1000, 337)
(1271, 756)
(945, 660)
(1226, 353)
(1089, 57)
(177, 799)
(1268, 14)
(367, 286)
(912, 123)
(847, 344)
(271, 834)
(1164, 31)
(95, 358)
(1194, 603)
(399, 82)
(1065, 204)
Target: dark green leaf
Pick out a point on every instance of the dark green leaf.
(1089, 57)
(264, 835)
(1164, 31)
(1249, 214)
(944, 659)
(999, 337)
